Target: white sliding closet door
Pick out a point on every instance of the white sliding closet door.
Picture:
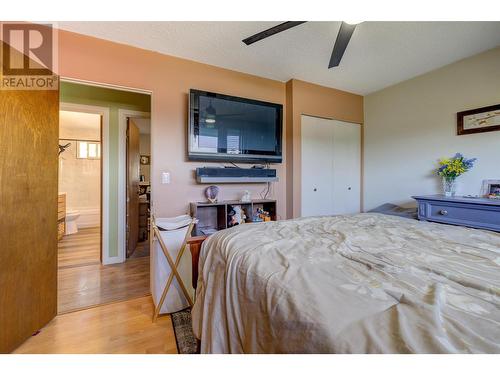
(346, 168)
(331, 166)
(317, 166)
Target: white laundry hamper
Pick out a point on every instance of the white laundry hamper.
(173, 232)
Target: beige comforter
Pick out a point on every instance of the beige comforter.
(366, 283)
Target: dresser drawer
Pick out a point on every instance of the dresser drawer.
(471, 215)
(61, 215)
(474, 214)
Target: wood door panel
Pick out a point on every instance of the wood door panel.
(133, 167)
(29, 122)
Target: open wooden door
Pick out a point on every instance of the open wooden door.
(133, 160)
(29, 130)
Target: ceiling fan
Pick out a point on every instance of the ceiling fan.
(343, 37)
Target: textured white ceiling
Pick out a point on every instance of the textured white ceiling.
(379, 54)
(79, 124)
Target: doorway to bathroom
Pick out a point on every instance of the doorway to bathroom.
(95, 266)
(80, 168)
(79, 205)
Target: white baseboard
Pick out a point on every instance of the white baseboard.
(89, 217)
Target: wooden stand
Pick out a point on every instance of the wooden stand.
(195, 248)
(61, 216)
(214, 216)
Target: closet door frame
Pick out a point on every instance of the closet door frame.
(361, 156)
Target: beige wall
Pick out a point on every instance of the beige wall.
(303, 98)
(410, 125)
(169, 79)
(80, 179)
(145, 144)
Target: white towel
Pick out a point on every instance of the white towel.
(173, 223)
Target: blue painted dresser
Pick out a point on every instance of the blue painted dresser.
(482, 213)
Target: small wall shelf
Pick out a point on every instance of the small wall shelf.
(214, 216)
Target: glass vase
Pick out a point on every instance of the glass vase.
(449, 187)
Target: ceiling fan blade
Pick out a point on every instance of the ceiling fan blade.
(273, 30)
(341, 43)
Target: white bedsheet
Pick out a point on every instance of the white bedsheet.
(367, 283)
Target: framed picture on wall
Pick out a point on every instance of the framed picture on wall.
(145, 159)
(479, 120)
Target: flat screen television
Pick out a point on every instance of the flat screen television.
(228, 128)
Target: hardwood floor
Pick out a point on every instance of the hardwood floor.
(82, 280)
(86, 286)
(90, 319)
(142, 250)
(121, 327)
(82, 248)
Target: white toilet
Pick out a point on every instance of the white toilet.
(71, 216)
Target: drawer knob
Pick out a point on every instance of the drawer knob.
(443, 212)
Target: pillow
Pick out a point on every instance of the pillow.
(394, 210)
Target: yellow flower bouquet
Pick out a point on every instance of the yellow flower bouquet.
(450, 168)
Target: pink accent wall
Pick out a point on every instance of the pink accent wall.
(304, 98)
(169, 79)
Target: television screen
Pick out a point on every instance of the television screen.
(228, 128)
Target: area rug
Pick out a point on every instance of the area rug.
(184, 336)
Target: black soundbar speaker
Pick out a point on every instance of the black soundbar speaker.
(208, 175)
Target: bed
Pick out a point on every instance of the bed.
(365, 283)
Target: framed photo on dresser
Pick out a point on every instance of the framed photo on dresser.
(491, 189)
